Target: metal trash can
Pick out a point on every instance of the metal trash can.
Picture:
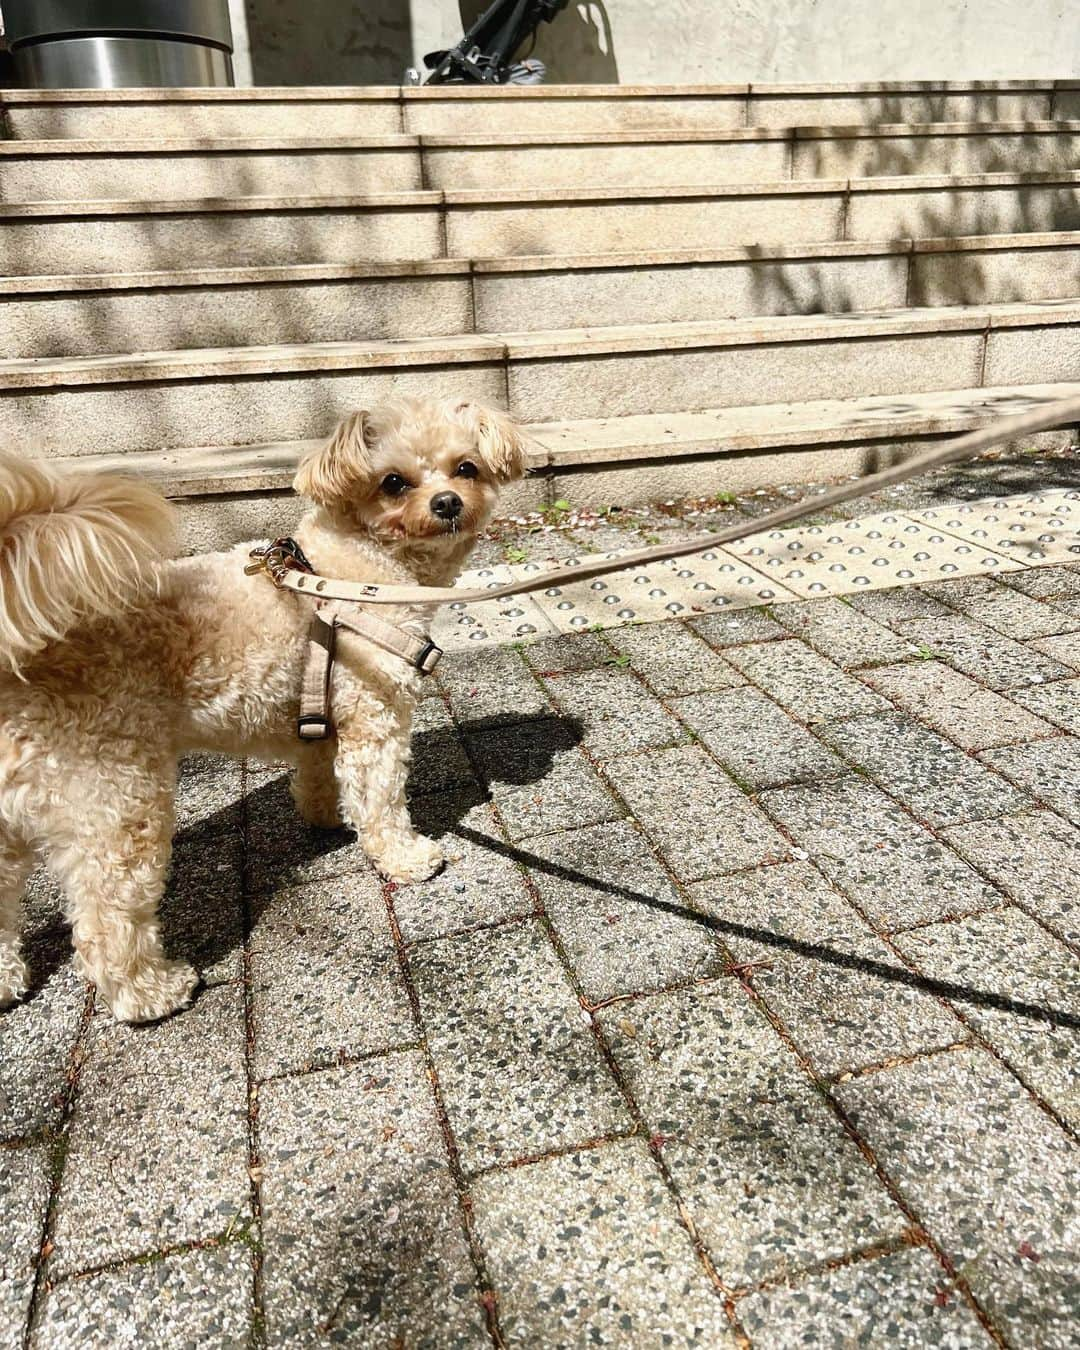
(119, 44)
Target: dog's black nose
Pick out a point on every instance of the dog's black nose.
(446, 505)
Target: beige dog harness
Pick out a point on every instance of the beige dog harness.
(287, 567)
(284, 557)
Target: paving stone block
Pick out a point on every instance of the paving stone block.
(844, 996)
(939, 784)
(965, 712)
(896, 871)
(189, 1299)
(731, 630)
(995, 661)
(904, 1300)
(519, 1069)
(490, 682)
(755, 740)
(325, 976)
(38, 1034)
(567, 651)
(899, 603)
(949, 1130)
(209, 798)
(623, 925)
(699, 820)
(1034, 857)
(202, 912)
(803, 682)
(837, 630)
(24, 1196)
(481, 882)
(539, 778)
(673, 659)
(1057, 702)
(617, 712)
(1047, 583)
(439, 760)
(1049, 770)
(989, 601)
(587, 1249)
(158, 1140)
(361, 1225)
(1065, 648)
(1025, 994)
(768, 1175)
(282, 850)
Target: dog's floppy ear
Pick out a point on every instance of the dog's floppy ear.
(333, 474)
(500, 441)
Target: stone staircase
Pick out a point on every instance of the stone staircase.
(682, 290)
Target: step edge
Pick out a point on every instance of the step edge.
(166, 469)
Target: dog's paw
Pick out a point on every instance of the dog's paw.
(154, 993)
(14, 977)
(414, 858)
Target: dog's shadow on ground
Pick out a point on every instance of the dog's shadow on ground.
(228, 865)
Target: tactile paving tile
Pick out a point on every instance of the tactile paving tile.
(1035, 528)
(518, 618)
(679, 587)
(870, 553)
(997, 534)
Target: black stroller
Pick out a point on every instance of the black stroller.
(485, 54)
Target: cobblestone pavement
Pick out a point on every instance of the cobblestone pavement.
(745, 1012)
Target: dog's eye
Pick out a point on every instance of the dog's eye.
(394, 485)
(467, 469)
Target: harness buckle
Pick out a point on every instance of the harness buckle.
(313, 728)
(429, 658)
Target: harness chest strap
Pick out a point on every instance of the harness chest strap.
(416, 649)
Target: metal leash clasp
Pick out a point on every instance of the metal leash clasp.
(276, 559)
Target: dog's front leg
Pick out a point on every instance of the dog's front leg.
(372, 764)
(314, 786)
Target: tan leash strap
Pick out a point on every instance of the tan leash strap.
(1062, 412)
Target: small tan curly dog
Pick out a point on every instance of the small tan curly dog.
(115, 659)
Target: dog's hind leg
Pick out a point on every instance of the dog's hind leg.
(15, 860)
(113, 874)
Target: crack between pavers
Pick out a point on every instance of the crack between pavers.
(60, 1145)
(341, 1061)
(257, 1332)
(239, 1235)
(896, 1062)
(876, 1251)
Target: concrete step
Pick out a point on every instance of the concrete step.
(744, 155)
(228, 493)
(112, 170)
(75, 238)
(371, 111)
(158, 311)
(117, 169)
(165, 400)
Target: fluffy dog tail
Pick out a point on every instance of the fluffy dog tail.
(73, 546)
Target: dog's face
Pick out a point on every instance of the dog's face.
(417, 472)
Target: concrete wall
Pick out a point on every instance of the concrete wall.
(684, 41)
(329, 41)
